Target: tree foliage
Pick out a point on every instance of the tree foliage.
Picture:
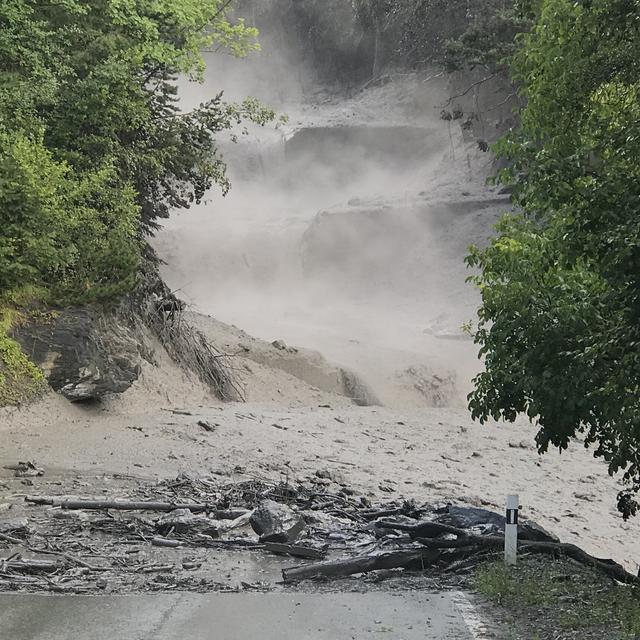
(349, 40)
(559, 326)
(93, 145)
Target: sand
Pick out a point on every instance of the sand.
(428, 454)
(246, 267)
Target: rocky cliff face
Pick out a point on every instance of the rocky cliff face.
(88, 352)
(84, 352)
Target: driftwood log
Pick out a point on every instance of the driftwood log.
(11, 539)
(429, 532)
(465, 545)
(295, 550)
(122, 505)
(362, 564)
(28, 566)
(422, 529)
(165, 542)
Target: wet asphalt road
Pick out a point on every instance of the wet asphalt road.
(245, 616)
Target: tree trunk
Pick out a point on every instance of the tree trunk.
(375, 70)
(362, 564)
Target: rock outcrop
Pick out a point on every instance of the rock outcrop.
(85, 353)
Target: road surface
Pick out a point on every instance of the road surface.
(246, 616)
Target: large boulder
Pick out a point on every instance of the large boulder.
(275, 522)
(85, 353)
(491, 523)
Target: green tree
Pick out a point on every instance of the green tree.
(94, 145)
(377, 17)
(559, 326)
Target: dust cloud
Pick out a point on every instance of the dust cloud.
(345, 229)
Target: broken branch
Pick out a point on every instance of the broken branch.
(362, 564)
(121, 505)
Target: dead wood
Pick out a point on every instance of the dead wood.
(68, 557)
(361, 564)
(369, 514)
(472, 542)
(165, 542)
(229, 514)
(189, 347)
(426, 529)
(10, 539)
(28, 566)
(607, 566)
(121, 505)
(156, 568)
(297, 551)
(427, 534)
(42, 500)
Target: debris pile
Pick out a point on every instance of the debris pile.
(193, 533)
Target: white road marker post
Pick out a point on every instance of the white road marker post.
(511, 531)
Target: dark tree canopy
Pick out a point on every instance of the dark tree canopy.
(93, 146)
(559, 326)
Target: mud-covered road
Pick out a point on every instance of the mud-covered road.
(427, 454)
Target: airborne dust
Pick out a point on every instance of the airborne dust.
(345, 229)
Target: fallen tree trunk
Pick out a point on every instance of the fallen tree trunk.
(121, 505)
(607, 566)
(165, 542)
(295, 550)
(361, 564)
(423, 529)
(28, 566)
(7, 538)
(472, 542)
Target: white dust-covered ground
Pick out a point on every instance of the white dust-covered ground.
(376, 284)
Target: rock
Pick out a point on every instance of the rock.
(14, 526)
(206, 425)
(275, 522)
(491, 523)
(184, 521)
(84, 352)
(523, 444)
(26, 469)
(358, 390)
(438, 389)
(282, 346)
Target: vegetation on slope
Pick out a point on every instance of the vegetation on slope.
(353, 41)
(93, 145)
(20, 379)
(560, 318)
